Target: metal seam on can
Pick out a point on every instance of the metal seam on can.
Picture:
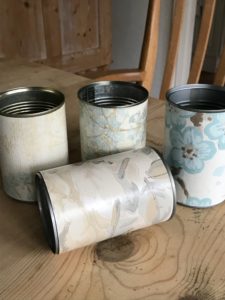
(171, 180)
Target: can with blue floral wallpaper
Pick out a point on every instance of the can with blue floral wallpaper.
(195, 143)
(112, 117)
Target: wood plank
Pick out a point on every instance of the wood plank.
(173, 46)
(150, 44)
(121, 75)
(21, 30)
(84, 34)
(105, 31)
(73, 35)
(79, 25)
(52, 29)
(202, 41)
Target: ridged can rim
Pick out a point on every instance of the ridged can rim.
(115, 84)
(172, 97)
(15, 97)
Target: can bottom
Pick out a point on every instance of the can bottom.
(199, 207)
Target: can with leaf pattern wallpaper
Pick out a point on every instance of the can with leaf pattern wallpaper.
(91, 201)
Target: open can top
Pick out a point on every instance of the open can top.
(205, 98)
(113, 94)
(26, 102)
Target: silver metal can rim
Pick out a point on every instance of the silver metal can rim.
(197, 86)
(33, 89)
(111, 83)
(47, 214)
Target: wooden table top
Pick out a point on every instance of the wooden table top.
(181, 259)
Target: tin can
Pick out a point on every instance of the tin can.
(88, 202)
(33, 137)
(195, 143)
(112, 118)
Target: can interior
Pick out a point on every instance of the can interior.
(25, 102)
(199, 97)
(47, 214)
(113, 94)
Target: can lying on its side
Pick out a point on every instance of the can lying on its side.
(88, 202)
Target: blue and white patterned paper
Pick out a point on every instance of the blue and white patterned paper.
(194, 148)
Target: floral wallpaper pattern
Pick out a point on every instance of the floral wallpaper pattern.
(106, 131)
(195, 150)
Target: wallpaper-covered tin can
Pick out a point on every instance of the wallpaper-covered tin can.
(88, 202)
(33, 137)
(195, 143)
(112, 118)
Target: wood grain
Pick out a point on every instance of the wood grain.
(21, 29)
(150, 44)
(73, 35)
(176, 30)
(52, 30)
(181, 259)
(202, 41)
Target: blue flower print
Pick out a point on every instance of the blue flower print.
(197, 202)
(176, 117)
(219, 171)
(216, 130)
(189, 151)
